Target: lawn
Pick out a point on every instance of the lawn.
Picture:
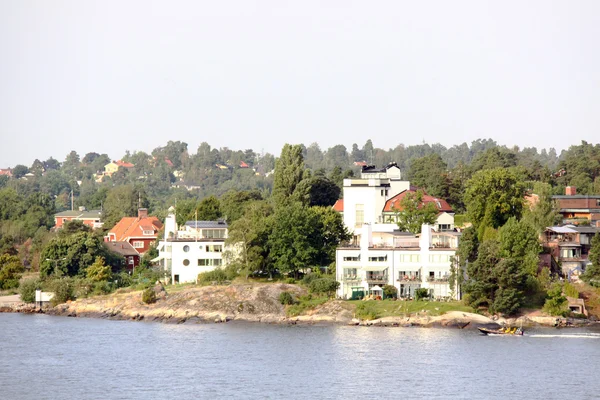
(399, 308)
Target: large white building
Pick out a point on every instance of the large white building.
(374, 197)
(196, 247)
(382, 256)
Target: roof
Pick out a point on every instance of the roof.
(129, 227)
(206, 224)
(339, 205)
(586, 229)
(123, 248)
(91, 214)
(393, 203)
(243, 165)
(561, 229)
(125, 164)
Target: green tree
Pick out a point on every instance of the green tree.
(234, 203)
(289, 172)
(123, 201)
(592, 272)
(542, 213)
(19, 171)
(98, 271)
(492, 197)
(413, 212)
(430, 173)
(11, 270)
(209, 209)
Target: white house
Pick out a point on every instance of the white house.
(408, 262)
(194, 248)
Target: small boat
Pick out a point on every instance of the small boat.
(502, 331)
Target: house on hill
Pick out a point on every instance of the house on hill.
(444, 220)
(113, 167)
(140, 231)
(576, 208)
(130, 257)
(91, 218)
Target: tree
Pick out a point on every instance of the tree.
(329, 233)
(317, 190)
(10, 271)
(122, 201)
(542, 213)
(413, 212)
(234, 203)
(209, 209)
(19, 171)
(492, 197)
(289, 172)
(98, 271)
(430, 173)
(292, 242)
(592, 272)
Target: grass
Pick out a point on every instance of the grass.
(304, 304)
(391, 308)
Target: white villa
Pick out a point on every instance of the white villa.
(383, 256)
(196, 247)
(372, 199)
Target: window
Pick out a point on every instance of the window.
(214, 248)
(209, 262)
(360, 214)
(137, 244)
(186, 248)
(186, 262)
(352, 258)
(378, 258)
(148, 232)
(214, 233)
(200, 248)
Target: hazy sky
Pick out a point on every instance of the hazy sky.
(110, 76)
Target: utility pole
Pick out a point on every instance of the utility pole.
(71, 199)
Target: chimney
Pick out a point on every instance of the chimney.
(570, 190)
(142, 212)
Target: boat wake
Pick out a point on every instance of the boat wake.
(569, 336)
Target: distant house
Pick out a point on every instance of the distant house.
(140, 231)
(91, 218)
(576, 208)
(444, 219)
(113, 167)
(6, 172)
(221, 166)
(570, 246)
(130, 256)
(195, 247)
(244, 165)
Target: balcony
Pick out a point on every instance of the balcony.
(442, 279)
(409, 278)
(377, 278)
(350, 278)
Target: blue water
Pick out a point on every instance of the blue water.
(46, 357)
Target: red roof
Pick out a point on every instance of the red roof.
(360, 163)
(129, 227)
(6, 172)
(393, 204)
(243, 165)
(125, 164)
(169, 162)
(339, 205)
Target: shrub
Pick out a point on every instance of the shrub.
(390, 292)
(10, 271)
(217, 275)
(149, 296)
(570, 290)
(308, 278)
(62, 289)
(286, 298)
(291, 281)
(421, 294)
(556, 303)
(323, 285)
(27, 290)
(367, 310)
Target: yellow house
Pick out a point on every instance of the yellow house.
(113, 167)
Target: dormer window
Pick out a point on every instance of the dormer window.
(148, 232)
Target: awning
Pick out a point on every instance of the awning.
(375, 268)
(376, 288)
(160, 257)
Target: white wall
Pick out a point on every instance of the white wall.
(196, 250)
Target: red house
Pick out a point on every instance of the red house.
(138, 231)
(91, 218)
(130, 256)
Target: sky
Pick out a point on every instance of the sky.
(111, 76)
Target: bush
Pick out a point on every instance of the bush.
(390, 292)
(323, 285)
(421, 294)
(27, 290)
(570, 291)
(367, 310)
(149, 296)
(308, 278)
(215, 276)
(291, 281)
(556, 303)
(63, 290)
(286, 298)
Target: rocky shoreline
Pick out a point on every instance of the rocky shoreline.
(259, 303)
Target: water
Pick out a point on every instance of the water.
(44, 357)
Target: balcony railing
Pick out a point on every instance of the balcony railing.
(350, 278)
(438, 279)
(409, 278)
(372, 278)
